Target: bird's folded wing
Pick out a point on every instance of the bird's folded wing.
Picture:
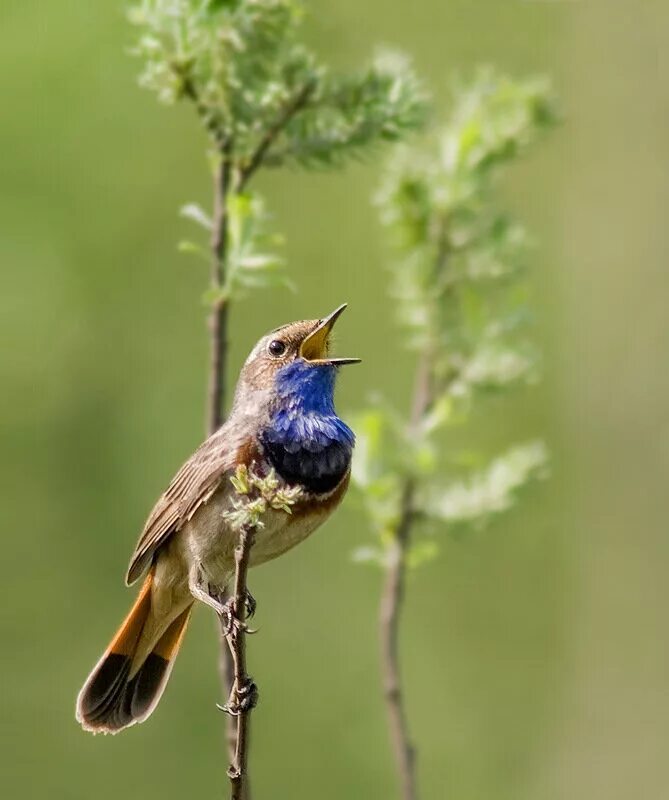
(193, 485)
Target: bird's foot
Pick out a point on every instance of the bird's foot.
(250, 603)
(230, 620)
(243, 698)
(229, 617)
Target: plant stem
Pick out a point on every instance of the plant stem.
(218, 317)
(392, 599)
(391, 604)
(231, 659)
(218, 323)
(226, 672)
(236, 638)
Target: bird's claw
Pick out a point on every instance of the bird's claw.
(229, 618)
(250, 603)
(242, 698)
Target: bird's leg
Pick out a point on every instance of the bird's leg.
(243, 694)
(206, 596)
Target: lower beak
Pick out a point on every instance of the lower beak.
(315, 347)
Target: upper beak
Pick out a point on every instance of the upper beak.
(315, 347)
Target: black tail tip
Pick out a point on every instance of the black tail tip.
(109, 702)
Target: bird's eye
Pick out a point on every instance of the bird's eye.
(276, 348)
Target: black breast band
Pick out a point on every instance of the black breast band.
(317, 472)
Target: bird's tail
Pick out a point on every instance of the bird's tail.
(128, 681)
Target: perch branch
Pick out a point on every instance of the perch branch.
(218, 322)
(218, 347)
(243, 691)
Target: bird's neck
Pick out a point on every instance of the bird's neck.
(305, 440)
(307, 387)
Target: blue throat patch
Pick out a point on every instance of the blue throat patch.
(305, 440)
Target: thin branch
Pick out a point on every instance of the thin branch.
(243, 693)
(392, 600)
(218, 317)
(296, 104)
(392, 597)
(209, 118)
(232, 659)
(229, 658)
(226, 674)
(232, 664)
(218, 323)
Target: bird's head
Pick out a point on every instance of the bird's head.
(293, 361)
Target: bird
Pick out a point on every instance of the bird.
(282, 423)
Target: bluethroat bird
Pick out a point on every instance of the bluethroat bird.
(282, 419)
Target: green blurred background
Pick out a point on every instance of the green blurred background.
(536, 652)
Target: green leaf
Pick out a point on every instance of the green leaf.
(489, 491)
(374, 431)
(422, 552)
(459, 281)
(185, 246)
(367, 554)
(349, 115)
(213, 296)
(197, 214)
(261, 261)
(494, 366)
(439, 415)
(213, 6)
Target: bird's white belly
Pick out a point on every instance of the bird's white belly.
(211, 542)
(280, 533)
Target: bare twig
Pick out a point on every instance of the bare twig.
(218, 322)
(391, 604)
(392, 600)
(392, 597)
(226, 673)
(243, 691)
(232, 660)
(218, 317)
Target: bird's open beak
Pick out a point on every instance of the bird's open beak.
(315, 347)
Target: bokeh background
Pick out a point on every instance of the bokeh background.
(537, 651)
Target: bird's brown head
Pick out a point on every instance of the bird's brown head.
(306, 342)
(285, 400)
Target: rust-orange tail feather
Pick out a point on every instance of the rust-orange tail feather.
(118, 693)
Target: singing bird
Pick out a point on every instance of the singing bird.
(282, 419)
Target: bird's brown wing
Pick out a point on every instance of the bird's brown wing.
(193, 485)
